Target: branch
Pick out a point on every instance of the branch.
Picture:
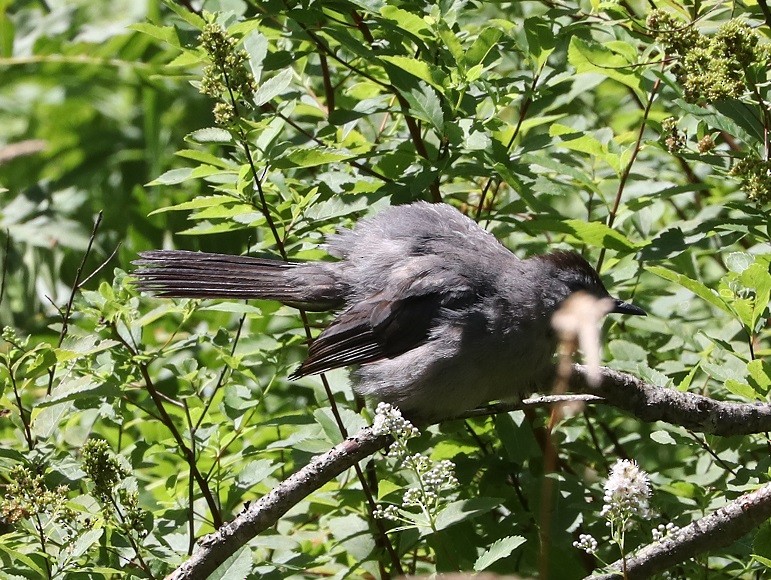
(717, 530)
(217, 547)
(647, 402)
(695, 412)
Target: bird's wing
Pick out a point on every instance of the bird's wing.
(383, 326)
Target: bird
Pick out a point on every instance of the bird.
(434, 315)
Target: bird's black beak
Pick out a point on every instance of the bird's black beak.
(626, 308)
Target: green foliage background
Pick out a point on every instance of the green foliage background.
(641, 141)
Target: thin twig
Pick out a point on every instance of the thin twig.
(628, 168)
(6, 250)
(101, 266)
(169, 423)
(75, 287)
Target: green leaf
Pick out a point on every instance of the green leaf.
(76, 389)
(310, 157)
(466, 509)
(20, 557)
(706, 294)
(83, 543)
(482, 46)
(273, 87)
(198, 203)
(210, 135)
(760, 373)
(256, 46)
(254, 472)
(541, 39)
(499, 549)
(167, 34)
(742, 390)
(407, 21)
(173, 177)
(663, 438)
(595, 234)
(738, 261)
(185, 14)
(758, 277)
(585, 143)
(418, 68)
(425, 105)
(452, 43)
(236, 567)
(593, 57)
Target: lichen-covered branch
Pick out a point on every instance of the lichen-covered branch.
(717, 530)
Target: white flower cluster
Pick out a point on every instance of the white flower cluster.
(662, 531)
(431, 478)
(441, 476)
(386, 512)
(627, 492)
(438, 478)
(586, 543)
(388, 419)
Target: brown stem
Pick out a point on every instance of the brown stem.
(628, 168)
(522, 114)
(71, 300)
(168, 422)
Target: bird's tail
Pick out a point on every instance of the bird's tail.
(183, 274)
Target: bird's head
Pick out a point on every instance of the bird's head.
(568, 272)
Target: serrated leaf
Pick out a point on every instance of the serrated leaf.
(254, 472)
(167, 34)
(738, 261)
(541, 39)
(482, 46)
(452, 43)
(22, 558)
(310, 158)
(76, 389)
(595, 234)
(694, 286)
(742, 390)
(273, 87)
(73, 348)
(760, 372)
(186, 14)
(418, 68)
(497, 550)
(407, 21)
(83, 542)
(425, 105)
(197, 203)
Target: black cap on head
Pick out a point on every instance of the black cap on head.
(578, 275)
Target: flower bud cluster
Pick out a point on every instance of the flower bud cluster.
(755, 174)
(712, 68)
(586, 543)
(662, 531)
(432, 480)
(228, 78)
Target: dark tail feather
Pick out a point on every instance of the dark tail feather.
(183, 274)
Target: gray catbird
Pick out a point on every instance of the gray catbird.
(435, 314)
